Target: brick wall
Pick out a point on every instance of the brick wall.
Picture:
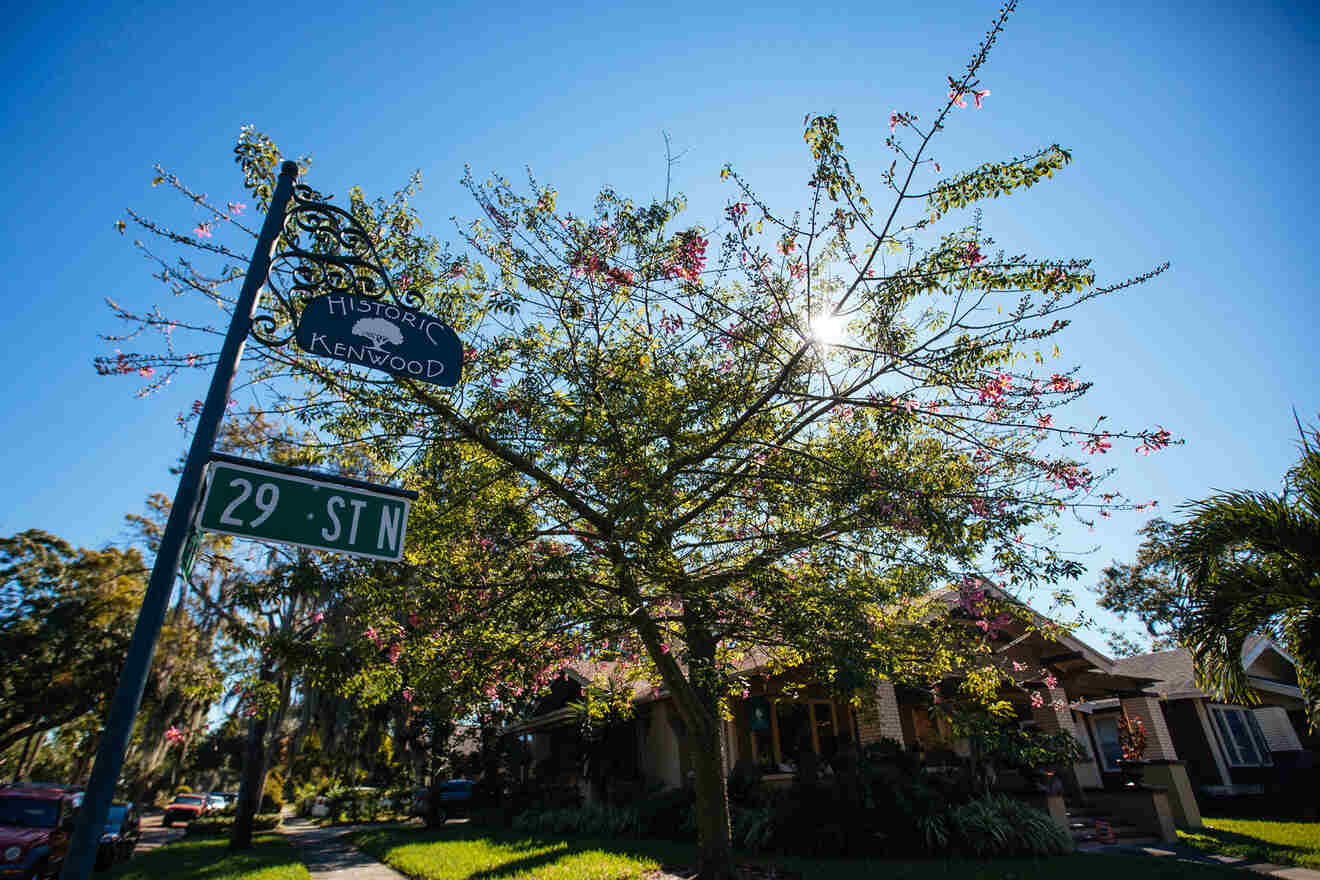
(1159, 744)
(877, 717)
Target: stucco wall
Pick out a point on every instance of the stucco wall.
(662, 758)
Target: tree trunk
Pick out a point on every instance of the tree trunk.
(28, 757)
(253, 782)
(714, 829)
(706, 747)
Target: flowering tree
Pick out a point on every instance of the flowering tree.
(678, 447)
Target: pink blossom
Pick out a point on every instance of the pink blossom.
(1097, 444)
(1037, 699)
(1050, 681)
(956, 96)
(237, 207)
(977, 95)
(1018, 667)
(1060, 382)
(175, 735)
(1045, 420)
(408, 694)
(1155, 442)
(994, 389)
(395, 650)
(893, 120)
(202, 230)
(974, 255)
(318, 617)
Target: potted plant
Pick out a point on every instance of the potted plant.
(1132, 740)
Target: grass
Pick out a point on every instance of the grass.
(462, 852)
(271, 858)
(1260, 840)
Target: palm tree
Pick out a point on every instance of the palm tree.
(1251, 565)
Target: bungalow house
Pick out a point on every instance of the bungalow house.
(779, 721)
(1228, 749)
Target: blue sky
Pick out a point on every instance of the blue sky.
(1192, 129)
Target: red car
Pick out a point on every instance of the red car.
(36, 824)
(184, 808)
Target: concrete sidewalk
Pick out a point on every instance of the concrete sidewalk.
(1184, 853)
(327, 856)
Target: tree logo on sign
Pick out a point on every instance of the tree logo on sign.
(379, 331)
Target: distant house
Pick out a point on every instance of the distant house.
(1228, 749)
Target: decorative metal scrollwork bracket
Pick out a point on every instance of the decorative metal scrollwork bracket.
(325, 250)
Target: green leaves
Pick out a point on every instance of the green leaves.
(995, 179)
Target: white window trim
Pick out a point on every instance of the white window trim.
(1231, 751)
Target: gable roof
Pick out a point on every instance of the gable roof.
(1175, 671)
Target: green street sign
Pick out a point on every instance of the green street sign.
(190, 549)
(303, 508)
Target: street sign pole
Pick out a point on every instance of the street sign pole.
(137, 664)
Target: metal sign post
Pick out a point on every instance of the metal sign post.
(334, 307)
(137, 663)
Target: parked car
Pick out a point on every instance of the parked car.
(122, 830)
(455, 798)
(36, 824)
(184, 808)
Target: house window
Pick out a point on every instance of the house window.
(794, 733)
(1106, 737)
(763, 741)
(1240, 735)
(822, 716)
(781, 730)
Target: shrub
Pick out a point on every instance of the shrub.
(488, 817)
(219, 824)
(753, 827)
(592, 820)
(745, 785)
(667, 814)
(997, 825)
(272, 796)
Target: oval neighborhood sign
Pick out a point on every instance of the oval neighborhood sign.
(381, 335)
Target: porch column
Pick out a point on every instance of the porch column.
(1054, 715)
(1159, 744)
(877, 717)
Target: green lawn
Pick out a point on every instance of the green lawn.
(464, 853)
(1261, 840)
(271, 858)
